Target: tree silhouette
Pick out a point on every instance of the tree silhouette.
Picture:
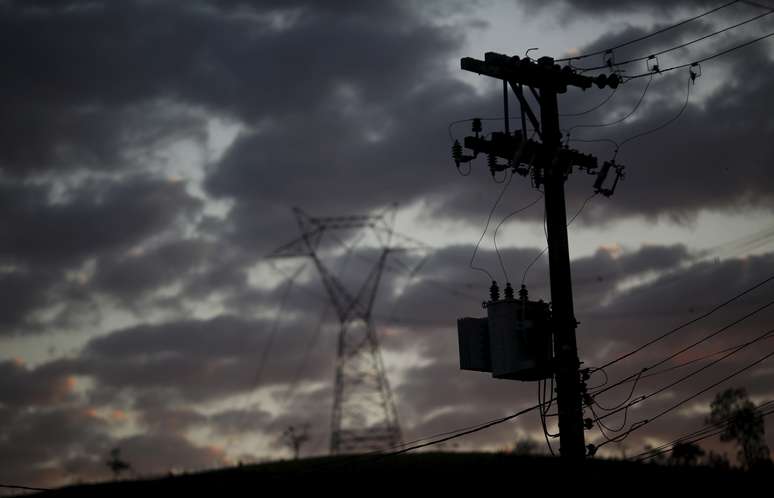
(525, 447)
(743, 424)
(686, 454)
(295, 439)
(115, 463)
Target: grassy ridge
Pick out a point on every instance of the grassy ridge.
(430, 471)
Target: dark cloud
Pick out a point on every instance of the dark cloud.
(53, 446)
(130, 276)
(95, 219)
(200, 360)
(44, 235)
(649, 7)
(22, 386)
(341, 107)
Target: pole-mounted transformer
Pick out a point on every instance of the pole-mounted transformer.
(512, 342)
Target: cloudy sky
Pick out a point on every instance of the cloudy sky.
(151, 152)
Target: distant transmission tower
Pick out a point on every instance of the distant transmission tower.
(364, 416)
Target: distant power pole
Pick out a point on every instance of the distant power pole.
(550, 164)
(364, 417)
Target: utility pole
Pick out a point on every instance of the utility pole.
(567, 364)
(549, 164)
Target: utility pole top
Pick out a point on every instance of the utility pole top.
(542, 73)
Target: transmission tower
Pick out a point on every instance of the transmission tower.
(364, 417)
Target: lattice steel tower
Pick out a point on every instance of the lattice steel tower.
(364, 417)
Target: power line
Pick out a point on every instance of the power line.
(677, 47)
(465, 433)
(756, 4)
(543, 412)
(695, 372)
(497, 250)
(587, 111)
(690, 322)
(486, 227)
(307, 351)
(683, 350)
(664, 124)
(274, 329)
(705, 432)
(696, 360)
(645, 422)
(704, 59)
(617, 121)
(27, 488)
(535, 260)
(447, 436)
(649, 35)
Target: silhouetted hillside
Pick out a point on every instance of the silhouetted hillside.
(436, 470)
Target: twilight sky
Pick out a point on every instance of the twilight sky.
(151, 151)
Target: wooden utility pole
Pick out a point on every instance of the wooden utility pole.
(566, 363)
(550, 165)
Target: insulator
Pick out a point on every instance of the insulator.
(508, 292)
(591, 450)
(613, 81)
(602, 175)
(609, 58)
(652, 64)
(494, 291)
(523, 294)
(694, 74)
(477, 125)
(601, 81)
(588, 423)
(457, 152)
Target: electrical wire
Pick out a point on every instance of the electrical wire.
(685, 377)
(723, 423)
(702, 437)
(689, 322)
(535, 260)
(618, 145)
(604, 372)
(664, 124)
(465, 433)
(541, 396)
(709, 430)
(486, 227)
(649, 35)
(686, 348)
(677, 47)
(704, 59)
(514, 213)
(587, 111)
(617, 121)
(26, 488)
(293, 385)
(690, 362)
(660, 414)
(274, 329)
(628, 398)
(756, 4)
(391, 451)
